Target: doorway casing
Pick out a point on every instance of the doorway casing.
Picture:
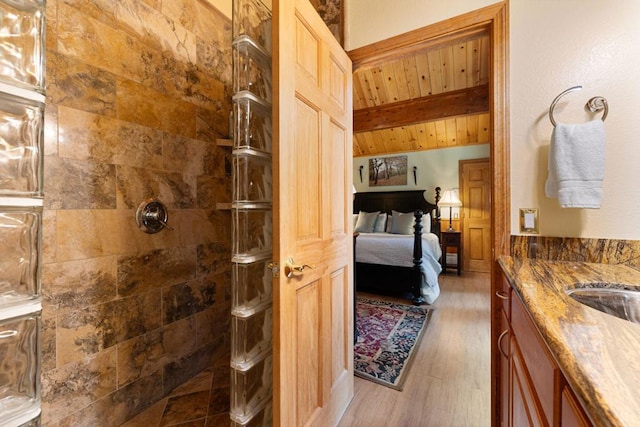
(494, 20)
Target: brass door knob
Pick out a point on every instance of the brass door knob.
(291, 267)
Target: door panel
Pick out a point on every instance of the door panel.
(313, 309)
(475, 192)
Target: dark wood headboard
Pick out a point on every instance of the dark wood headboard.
(401, 201)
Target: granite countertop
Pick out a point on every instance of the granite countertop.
(598, 353)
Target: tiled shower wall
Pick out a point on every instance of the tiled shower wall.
(137, 93)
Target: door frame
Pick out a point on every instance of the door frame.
(493, 19)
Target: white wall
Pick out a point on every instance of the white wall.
(436, 168)
(553, 45)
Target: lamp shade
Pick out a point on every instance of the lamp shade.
(449, 199)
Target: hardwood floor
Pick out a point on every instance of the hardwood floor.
(449, 382)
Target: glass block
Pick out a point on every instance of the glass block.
(262, 418)
(32, 423)
(251, 68)
(252, 287)
(252, 178)
(253, 128)
(252, 232)
(22, 46)
(251, 338)
(21, 142)
(252, 18)
(250, 389)
(19, 368)
(20, 246)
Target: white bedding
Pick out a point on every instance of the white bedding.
(397, 249)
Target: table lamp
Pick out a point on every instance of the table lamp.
(450, 199)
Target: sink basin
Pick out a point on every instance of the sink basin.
(622, 303)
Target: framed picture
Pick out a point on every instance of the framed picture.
(384, 171)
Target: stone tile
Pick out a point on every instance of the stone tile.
(93, 137)
(51, 13)
(213, 258)
(186, 299)
(49, 241)
(213, 122)
(156, 269)
(156, 30)
(145, 106)
(186, 155)
(88, 331)
(175, 190)
(150, 417)
(48, 342)
(78, 284)
(140, 357)
(219, 163)
(50, 130)
(116, 408)
(95, 233)
(74, 184)
(219, 400)
(221, 375)
(187, 407)
(219, 420)
(206, 326)
(80, 86)
(188, 366)
(201, 382)
(212, 190)
(97, 43)
(179, 340)
(215, 57)
(102, 10)
(76, 385)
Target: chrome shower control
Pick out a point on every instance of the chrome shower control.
(152, 216)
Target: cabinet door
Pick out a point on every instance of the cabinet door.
(503, 350)
(572, 414)
(524, 409)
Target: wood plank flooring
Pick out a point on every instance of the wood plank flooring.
(449, 382)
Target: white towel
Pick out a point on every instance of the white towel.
(576, 164)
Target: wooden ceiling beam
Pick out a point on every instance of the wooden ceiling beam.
(434, 107)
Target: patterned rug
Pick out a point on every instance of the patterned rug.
(387, 337)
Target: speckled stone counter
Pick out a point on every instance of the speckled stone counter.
(598, 353)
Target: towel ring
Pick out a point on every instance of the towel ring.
(595, 104)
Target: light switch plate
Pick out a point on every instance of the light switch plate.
(529, 221)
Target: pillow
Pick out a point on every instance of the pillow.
(402, 223)
(381, 222)
(366, 221)
(426, 223)
(355, 221)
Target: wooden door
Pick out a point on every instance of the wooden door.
(313, 309)
(475, 194)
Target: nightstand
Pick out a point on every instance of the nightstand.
(451, 239)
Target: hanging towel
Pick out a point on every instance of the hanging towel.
(576, 164)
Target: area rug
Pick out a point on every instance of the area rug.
(388, 335)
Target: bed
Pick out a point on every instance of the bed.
(399, 260)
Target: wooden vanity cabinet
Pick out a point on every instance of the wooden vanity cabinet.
(532, 389)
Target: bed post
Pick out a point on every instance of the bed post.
(416, 286)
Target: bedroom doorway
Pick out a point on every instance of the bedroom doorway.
(491, 20)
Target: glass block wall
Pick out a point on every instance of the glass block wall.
(22, 27)
(251, 313)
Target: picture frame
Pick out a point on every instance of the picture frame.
(388, 171)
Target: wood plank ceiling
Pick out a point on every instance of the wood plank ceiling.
(430, 98)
